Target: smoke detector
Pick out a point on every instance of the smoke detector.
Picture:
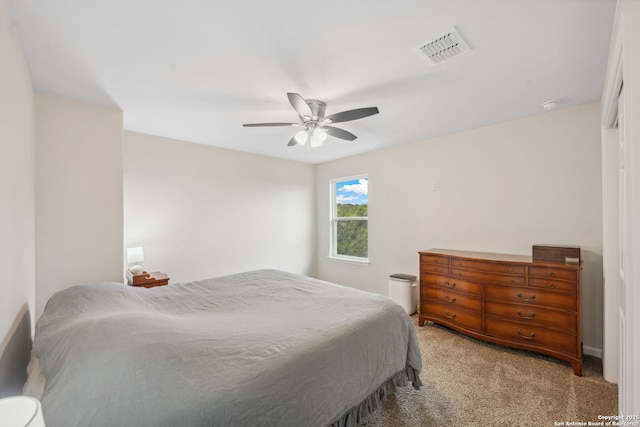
(550, 105)
(443, 47)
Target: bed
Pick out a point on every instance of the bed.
(260, 348)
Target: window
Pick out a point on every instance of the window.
(350, 218)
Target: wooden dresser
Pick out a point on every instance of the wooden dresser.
(505, 299)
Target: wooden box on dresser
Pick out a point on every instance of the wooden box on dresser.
(510, 300)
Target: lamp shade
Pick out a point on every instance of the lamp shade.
(317, 137)
(21, 411)
(135, 254)
(302, 136)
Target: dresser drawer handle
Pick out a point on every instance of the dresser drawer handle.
(449, 299)
(460, 264)
(529, 337)
(530, 317)
(450, 316)
(552, 286)
(552, 274)
(511, 270)
(449, 285)
(531, 298)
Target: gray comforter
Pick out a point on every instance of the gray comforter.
(262, 348)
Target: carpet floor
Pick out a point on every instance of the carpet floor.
(468, 382)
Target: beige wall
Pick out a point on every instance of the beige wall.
(200, 211)
(502, 188)
(79, 221)
(16, 181)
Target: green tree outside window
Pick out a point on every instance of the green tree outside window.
(350, 217)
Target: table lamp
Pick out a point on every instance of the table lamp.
(21, 411)
(134, 256)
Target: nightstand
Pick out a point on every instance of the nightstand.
(147, 280)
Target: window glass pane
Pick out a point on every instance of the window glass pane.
(352, 238)
(352, 198)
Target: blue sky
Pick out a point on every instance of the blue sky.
(355, 191)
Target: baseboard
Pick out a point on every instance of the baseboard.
(591, 351)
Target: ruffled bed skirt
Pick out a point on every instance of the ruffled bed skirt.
(372, 403)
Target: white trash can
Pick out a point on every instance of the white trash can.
(403, 289)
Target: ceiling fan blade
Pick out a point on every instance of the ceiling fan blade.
(292, 142)
(348, 115)
(339, 133)
(299, 104)
(253, 125)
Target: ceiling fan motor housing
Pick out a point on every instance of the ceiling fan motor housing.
(317, 108)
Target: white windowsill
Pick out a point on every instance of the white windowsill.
(362, 262)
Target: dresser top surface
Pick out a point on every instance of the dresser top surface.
(491, 256)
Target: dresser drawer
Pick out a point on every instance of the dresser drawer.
(454, 315)
(563, 320)
(450, 283)
(433, 279)
(434, 268)
(488, 277)
(494, 267)
(553, 273)
(428, 291)
(531, 334)
(434, 259)
(463, 286)
(531, 296)
(455, 299)
(552, 284)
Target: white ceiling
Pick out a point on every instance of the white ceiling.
(197, 70)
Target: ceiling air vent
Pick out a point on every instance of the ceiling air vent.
(443, 47)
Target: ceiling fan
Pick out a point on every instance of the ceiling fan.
(316, 125)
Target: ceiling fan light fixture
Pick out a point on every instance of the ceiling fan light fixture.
(302, 136)
(318, 136)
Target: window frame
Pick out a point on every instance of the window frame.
(334, 220)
